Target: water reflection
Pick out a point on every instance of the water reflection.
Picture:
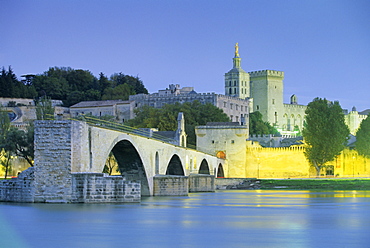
(223, 219)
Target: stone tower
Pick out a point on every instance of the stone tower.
(237, 80)
(180, 132)
(266, 88)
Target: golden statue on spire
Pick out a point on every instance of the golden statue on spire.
(237, 49)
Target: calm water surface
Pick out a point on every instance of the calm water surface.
(223, 219)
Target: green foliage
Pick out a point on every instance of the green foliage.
(165, 119)
(136, 84)
(10, 86)
(325, 132)
(44, 109)
(4, 124)
(363, 138)
(5, 162)
(4, 130)
(21, 143)
(71, 86)
(258, 126)
(122, 91)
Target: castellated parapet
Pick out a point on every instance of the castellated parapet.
(264, 73)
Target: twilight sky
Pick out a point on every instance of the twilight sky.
(323, 46)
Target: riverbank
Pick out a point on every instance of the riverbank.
(319, 184)
(294, 184)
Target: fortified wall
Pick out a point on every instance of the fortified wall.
(290, 162)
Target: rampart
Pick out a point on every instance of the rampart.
(290, 162)
(263, 73)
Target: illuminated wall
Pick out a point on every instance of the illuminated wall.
(290, 162)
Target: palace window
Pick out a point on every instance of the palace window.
(231, 106)
(273, 101)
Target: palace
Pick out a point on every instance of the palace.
(264, 89)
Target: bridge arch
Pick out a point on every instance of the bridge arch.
(204, 168)
(175, 166)
(220, 171)
(130, 164)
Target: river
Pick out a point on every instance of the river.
(243, 218)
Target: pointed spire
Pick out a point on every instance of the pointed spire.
(236, 59)
(236, 50)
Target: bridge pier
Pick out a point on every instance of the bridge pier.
(201, 183)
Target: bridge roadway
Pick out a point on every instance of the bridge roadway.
(139, 157)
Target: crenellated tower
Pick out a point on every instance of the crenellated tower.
(267, 92)
(237, 80)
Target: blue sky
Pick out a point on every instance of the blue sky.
(322, 46)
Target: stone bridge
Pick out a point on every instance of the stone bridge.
(64, 149)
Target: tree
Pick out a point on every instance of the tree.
(110, 165)
(363, 138)
(325, 132)
(165, 119)
(44, 109)
(136, 84)
(21, 143)
(258, 126)
(122, 91)
(5, 155)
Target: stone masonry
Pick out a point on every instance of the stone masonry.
(51, 180)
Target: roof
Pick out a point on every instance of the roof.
(365, 112)
(222, 124)
(167, 134)
(86, 104)
(237, 70)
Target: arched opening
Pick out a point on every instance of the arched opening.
(130, 164)
(111, 165)
(204, 168)
(156, 163)
(175, 167)
(220, 171)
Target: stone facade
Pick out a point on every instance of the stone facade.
(121, 110)
(201, 183)
(353, 119)
(226, 140)
(20, 189)
(265, 90)
(99, 187)
(166, 185)
(86, 188)
(52, 180)
(236, 108)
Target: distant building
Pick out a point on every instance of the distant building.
(121, 110)
(23, 110)
(265, 89)
(236, 108)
